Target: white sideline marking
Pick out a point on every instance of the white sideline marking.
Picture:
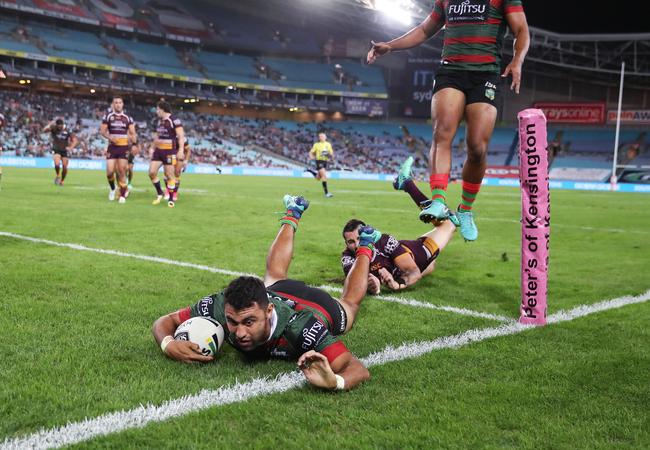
(402, 301)
(419, 304)
(141, 416)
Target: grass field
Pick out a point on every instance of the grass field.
(76, 342)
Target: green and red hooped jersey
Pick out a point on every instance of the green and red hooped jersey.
(298, 328)
(474, 32)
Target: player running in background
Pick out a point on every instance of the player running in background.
(466, 86)
(166, 149)
(118, 128)
(284, 318)
(395, 263)
(63, 141)
(321, 153)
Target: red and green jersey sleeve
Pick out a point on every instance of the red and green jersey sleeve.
(296, 332)
(474, 32)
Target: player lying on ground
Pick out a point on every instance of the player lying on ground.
(284, 318)
(398, 264)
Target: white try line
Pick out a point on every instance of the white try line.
(143, 415)
(399, 300)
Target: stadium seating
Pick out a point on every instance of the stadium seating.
(230, 140)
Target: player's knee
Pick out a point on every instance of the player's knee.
(444, 132)
(477, 154)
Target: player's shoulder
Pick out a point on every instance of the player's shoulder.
(387, 243)
(211, 306)
(176, 121)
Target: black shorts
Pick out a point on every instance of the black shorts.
(62, 153)
(130, 157)
(314, 298)
(478, 87)
(320, 164)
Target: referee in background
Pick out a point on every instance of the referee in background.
(322, 153)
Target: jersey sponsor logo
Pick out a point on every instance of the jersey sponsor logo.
(206, 307)
(313, 334)
(467, 11)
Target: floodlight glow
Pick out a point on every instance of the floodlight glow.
(399, 10)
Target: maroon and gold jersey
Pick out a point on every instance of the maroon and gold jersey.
(167, 136)
(388, 250)
(118, 129)
(474, 32)
(60, 138)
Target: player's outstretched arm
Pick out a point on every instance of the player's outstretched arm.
(185, 351)
(412, 38)
(519, 26)
(345, 372)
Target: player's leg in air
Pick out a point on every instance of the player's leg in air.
(481, 118)
(447, 107)
(110, 177)
(281, 252)
(57, 168)
(404, 182)
(154, 167)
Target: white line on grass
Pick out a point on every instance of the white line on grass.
(401, 301)
(419, 304)
(143, 415)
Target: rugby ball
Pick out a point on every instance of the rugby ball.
(207, 333)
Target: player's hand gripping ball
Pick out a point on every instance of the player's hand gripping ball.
(208, 334)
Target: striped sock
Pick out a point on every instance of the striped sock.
(470, 191)
(438, 183)
(291, 218)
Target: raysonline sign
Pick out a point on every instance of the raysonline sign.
(593, 113)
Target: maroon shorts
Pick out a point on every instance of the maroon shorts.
(418, 249)
(167, 157)
(118, 153)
